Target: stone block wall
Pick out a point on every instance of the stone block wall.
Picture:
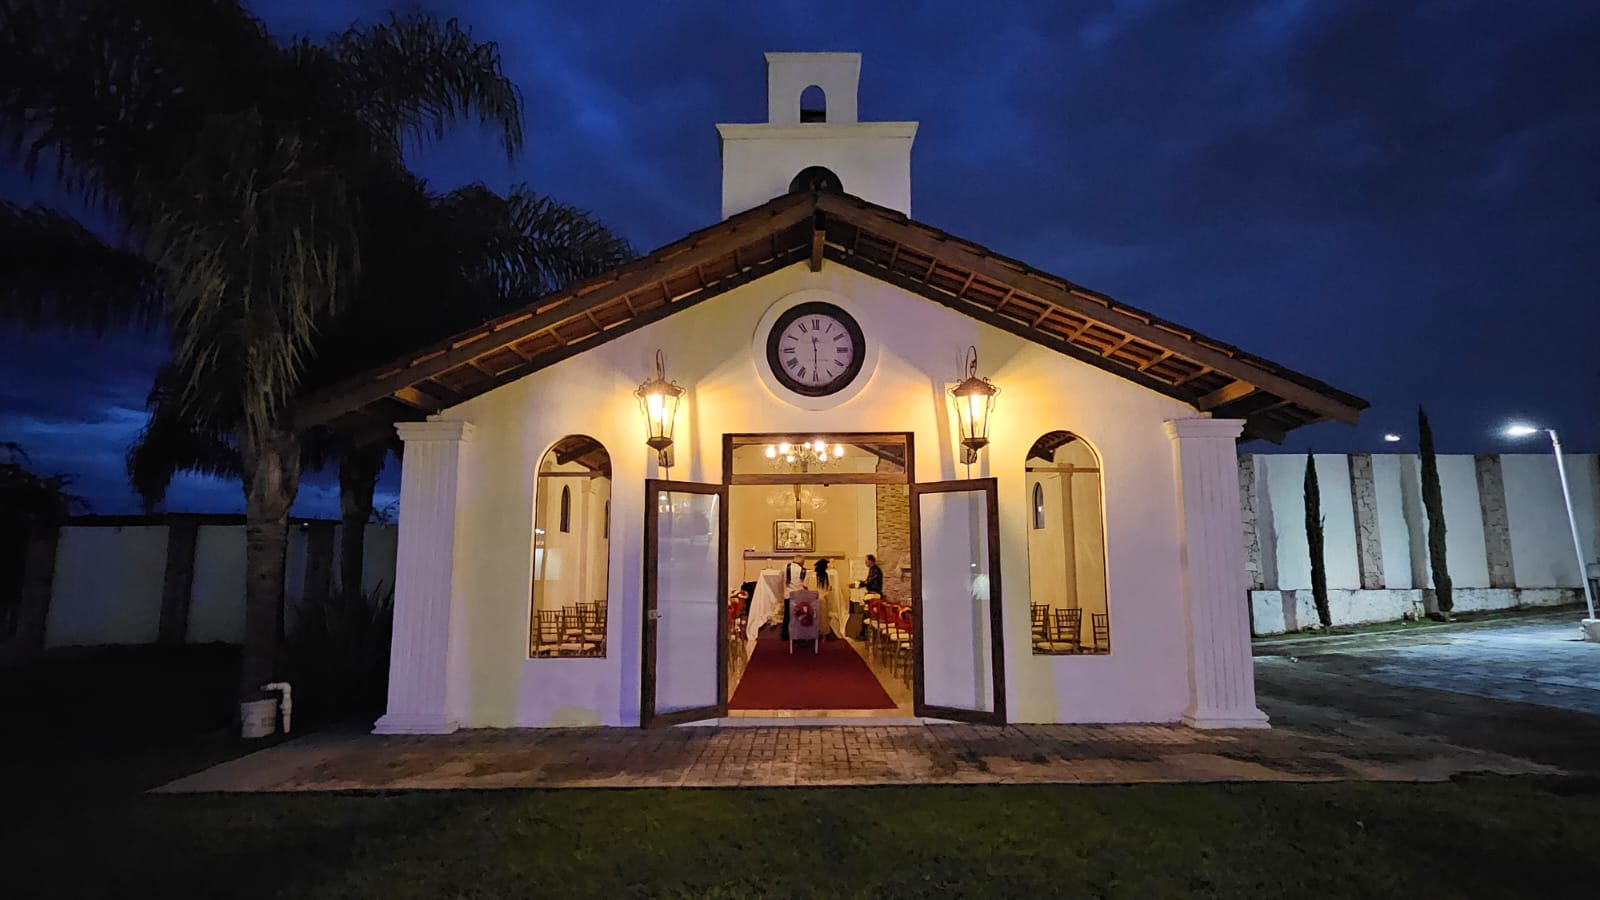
(894, 537)
(1509, 544)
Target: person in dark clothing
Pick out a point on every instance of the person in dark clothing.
(873, 583)
(822, 574)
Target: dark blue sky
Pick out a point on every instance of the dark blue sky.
(1402, 199)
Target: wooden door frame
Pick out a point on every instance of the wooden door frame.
(919, 706)
(907, 477)
(648, 718)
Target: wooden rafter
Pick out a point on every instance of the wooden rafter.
(1165, 357)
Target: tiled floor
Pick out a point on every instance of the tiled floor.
(836, 755)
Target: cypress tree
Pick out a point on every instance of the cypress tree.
(1319, 568)
(1433, 504)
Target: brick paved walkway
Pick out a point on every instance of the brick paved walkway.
(862, 755)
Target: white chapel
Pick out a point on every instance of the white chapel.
(821, 462)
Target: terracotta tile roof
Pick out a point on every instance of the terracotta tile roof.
(1210, 375)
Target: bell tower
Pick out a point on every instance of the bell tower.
(814, 140)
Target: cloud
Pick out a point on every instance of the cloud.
(1397, 198)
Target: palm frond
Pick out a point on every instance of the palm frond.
(170, 444)
(56, 272)
(416, 76)
(564, 244)
(256, 251)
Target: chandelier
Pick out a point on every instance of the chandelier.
(797, 500)
(806, 456)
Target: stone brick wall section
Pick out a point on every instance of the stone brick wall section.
(1369, 542)
(1496, 524)
(894, 536)
(1255, 573)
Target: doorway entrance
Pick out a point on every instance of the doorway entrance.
(759, 597)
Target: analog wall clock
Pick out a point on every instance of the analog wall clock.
(815, 349)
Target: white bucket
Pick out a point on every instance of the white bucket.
(258, 718)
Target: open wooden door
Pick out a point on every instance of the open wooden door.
(685, 676)
(955, 597)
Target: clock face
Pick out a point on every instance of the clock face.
(815, 349)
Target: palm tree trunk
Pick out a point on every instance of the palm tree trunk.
(358, 479)
(271, 481)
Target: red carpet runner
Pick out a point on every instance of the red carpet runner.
(835, 678)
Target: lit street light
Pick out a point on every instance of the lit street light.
(1591, 625)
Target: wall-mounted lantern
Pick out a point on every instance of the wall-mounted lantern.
(974, 400)
(658, 400)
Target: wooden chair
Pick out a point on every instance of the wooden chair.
(547, 632)
(592, 627)
(1039, 615)
(904, 652)
(1101, 623)
(1068, 627)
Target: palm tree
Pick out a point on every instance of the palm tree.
(236, 165)
(471, 256)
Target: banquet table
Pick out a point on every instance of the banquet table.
(766, 606)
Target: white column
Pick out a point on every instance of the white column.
(1222, 687)
(427, 603)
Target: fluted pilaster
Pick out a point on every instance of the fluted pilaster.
(1222, 690)
(425, 599)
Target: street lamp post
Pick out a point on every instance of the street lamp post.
(1591, 625)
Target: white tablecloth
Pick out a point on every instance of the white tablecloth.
(766, 605)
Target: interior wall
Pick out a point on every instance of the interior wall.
(1047, 565)
(1066, 558)
(569, 567)
(839, 524)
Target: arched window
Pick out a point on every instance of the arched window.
(816, 178)
(813, 105)
(1066, 547)
(571, 550)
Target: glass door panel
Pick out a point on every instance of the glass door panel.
(686, 551)
(955, 562)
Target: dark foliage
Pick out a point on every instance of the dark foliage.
(1433, 505)
(337, 657)
(1314, 543)
(29, 502)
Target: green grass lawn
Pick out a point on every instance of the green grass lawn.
(75, 823)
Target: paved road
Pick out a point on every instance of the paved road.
(1526, 687)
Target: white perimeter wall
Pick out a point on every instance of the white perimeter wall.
(1543, 563)
(708, 350)
(108, 581)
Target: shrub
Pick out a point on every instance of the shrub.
(338, 656)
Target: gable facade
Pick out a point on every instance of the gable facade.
(491, 415)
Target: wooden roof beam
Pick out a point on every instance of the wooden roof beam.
(577, 452)
(1077, 301)
(1224, 395)
(819, 240)
(624, 281)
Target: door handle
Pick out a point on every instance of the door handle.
(653, 615)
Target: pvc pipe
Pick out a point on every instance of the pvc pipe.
(285, 705)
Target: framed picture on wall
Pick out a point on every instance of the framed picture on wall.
(794, 535)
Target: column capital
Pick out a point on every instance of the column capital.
(1183, 429)
(434, 430)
